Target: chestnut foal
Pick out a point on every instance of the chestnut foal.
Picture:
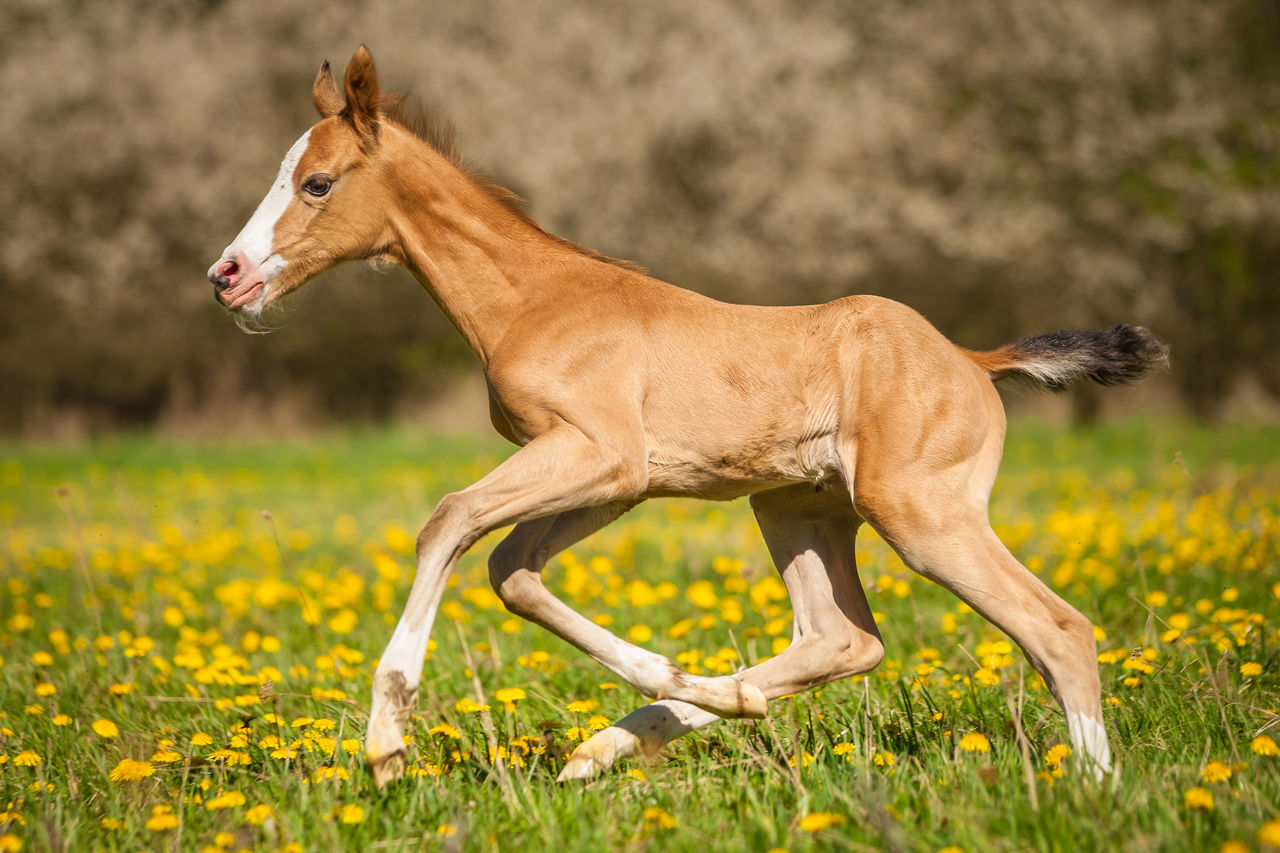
(618, 388)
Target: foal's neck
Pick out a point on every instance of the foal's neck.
(483, 263)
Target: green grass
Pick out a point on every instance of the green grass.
(142, 584)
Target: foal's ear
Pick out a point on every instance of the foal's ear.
(362, 96)
(325, 94)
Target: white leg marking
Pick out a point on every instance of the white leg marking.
(1089, 738)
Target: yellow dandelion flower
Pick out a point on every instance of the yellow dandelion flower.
(1233, 847)
(34, 710)
(608, 685)
(27, 758)
(1250, 669)
(1056, 754)
(596, 722)
(509, 696)
(951, 848)
(323, 725)
(577, 733)
(1263, 745)
(975, 742)
(1198, 799)
(129, 770)
(1215, 771)
(61, 720)
(162, 818)
(351, 746)
(1269, 832)
(105, 728)
(640, 633)
(446, 829)
(351, 814)
(582, 706)
(469, 706)
(45, 689)
(446, 730)
(165, 756)
(201, 739)
(637, 774)
(986, 677)
(10, 843)
(655, 816)
(818, 821)
(228, 800)
(300, 722)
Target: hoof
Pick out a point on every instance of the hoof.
(387, 769)
(578, 767)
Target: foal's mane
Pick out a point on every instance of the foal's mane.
(437, 131)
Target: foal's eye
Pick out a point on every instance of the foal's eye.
(317, 185)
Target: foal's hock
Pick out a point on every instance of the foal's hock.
(619, 387)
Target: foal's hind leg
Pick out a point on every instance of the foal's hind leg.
(811, 538)
(937, 521)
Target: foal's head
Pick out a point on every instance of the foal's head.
(324, 207)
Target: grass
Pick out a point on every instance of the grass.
(179, 670)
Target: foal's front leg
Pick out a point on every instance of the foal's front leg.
(559, 470)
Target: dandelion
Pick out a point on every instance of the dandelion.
(61, 720)
(165, 756)
(975, 742)
(1269, 832)
(655, 816)
(596, 722)
(1198, 799)
(446, 829)
(351, 746)
(162, 818)
(1250, 669)
(105, 728)
(351, 814)
(259, 814)
(640, 633)
(845, 748)
(447, 730)
(201, 739)
(1215, 771)
(229, 800)
(10, 843)
(582, 706)
(818, 821)
(469, 706)
(508, 696)
(27, 758)
(1056, 754)
(1264, 745)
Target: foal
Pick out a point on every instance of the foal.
(619, 388)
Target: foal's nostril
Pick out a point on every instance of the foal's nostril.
(224, 275)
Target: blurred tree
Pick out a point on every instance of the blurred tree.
(1006, 167)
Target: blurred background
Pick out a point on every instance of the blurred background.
(1006, 167)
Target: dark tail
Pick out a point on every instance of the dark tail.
(1111, 357)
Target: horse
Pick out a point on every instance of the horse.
(618, 387)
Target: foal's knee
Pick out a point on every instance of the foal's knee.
(516, 586)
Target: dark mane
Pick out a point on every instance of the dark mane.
(438, 132)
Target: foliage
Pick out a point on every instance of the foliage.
(189, 632)
(1047, 164)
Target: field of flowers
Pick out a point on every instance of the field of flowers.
(188, 633)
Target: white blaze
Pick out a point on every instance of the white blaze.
(255, 240)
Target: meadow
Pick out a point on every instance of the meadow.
(188, 632)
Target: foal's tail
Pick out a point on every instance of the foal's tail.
(1111, 357)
